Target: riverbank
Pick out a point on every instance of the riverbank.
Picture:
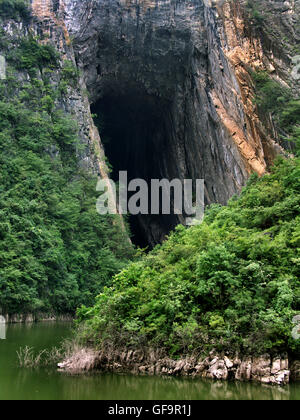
(47, 383)
(39, 317)
(264, 369)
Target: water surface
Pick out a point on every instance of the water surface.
(49, 384)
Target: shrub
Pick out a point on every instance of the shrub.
(255, 14)
(15, 9)
(30, 56)
(277, 100)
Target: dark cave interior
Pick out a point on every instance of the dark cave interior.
(134, 131)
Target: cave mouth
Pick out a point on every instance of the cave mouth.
(134, 130)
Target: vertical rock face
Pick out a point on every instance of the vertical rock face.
(170, 81)
(265, 45)
(48, 22)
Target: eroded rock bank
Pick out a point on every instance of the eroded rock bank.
(32, 318)
(264, 369)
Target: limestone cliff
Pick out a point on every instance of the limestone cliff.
(173, 80)
(263, 37)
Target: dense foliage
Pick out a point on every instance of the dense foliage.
(14, 9)
(256, 15)
(231, 283)
(56, 252)
(277, 100)
(270, 21)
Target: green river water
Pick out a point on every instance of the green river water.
(48, 384)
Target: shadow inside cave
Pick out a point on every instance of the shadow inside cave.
(135, 129)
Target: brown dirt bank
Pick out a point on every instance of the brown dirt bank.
(264, 369)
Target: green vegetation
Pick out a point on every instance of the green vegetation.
(56, 252)
(14, 9)
(255, 13)
(271, 96)
(278, 101)
(69, 72)
(32, 56)
(231, 283)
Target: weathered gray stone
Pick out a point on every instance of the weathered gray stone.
(218, 370)
(244, 370)
(261, 366)
(167, 58)
(295, 370)
(229, 364)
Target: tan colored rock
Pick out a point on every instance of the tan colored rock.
(218, 370)
(284, 364)
(138, 356)
(282, 377)
(244, 370)
(261, 369)
(82, 360)
(229, 364)
(151, 370)
(129, 355)
(187, 367)
(276, 366)
(200, 368)
(158, 369)
(214, 361)
(179, 366)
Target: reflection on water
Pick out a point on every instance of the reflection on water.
(16, 383)
(157, 388)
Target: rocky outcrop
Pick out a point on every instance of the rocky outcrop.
(160, 71)
(173, 81)
(295, 370)
(268, 45)
(264, 369)
(48, 24)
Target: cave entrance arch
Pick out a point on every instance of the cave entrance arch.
(136, 135)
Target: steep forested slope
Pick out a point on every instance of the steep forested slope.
(230, 284)
(56, 252)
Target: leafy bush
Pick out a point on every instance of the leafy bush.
(277, 100)
(15, 9)
(271, 96)
(69, 73)
(231, 283)
(290, 115)
(30, 56)
(255, 13)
